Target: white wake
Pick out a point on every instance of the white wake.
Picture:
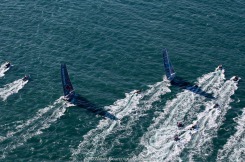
(12, 88)
(93, 142)
(199, 143)
(159, 139)
(3, 70)
(234, 149)
(34, 126)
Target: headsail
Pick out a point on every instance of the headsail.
(67, 86)
(168, 66)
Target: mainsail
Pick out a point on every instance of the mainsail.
(67, 86)
(168, 66)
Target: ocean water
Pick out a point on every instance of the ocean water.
(112, 48)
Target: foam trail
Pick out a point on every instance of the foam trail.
(3, 70)
(185, 136)
(158, 140)
(234, 149)
(38, 115)
(199, 143)
(94, 140)
(12, 88)
(32, 127)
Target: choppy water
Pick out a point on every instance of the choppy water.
(112, 48)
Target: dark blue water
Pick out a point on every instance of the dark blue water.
(112, 48)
